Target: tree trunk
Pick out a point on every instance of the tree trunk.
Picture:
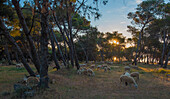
(54, 52)
(36, 60)
(58, 46)
(44, 9)
(16, 56)
(76, 58)
(101, 53)
(163, 50)
(166, 61)
(7, 53)
(138, 44)
(11, 39)
(153, 56)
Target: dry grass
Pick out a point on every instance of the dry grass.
(104, 85)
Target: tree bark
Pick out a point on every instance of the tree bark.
(163, 50)
(101, 53)
(16, 56)
(7, 53)
(54, 52)
(58, 46)
(166, 61)
(138, 44)
(44, 44)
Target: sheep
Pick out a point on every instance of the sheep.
(110, 63)
(99, 66)
(126, 74)
(82, 65)
(135, 75)
(82, 71)
(107, 68)
(128, 80)
(92, 66)
(90, 72)
(85, 71)
(19, 65)
(127, 68)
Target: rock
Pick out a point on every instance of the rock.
(5, 93)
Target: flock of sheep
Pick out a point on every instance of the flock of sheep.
(85, 70)
(126, 78)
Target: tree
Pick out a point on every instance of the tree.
(145, 14)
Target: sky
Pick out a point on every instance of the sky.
(114, 16)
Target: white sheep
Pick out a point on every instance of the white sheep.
(127, 68)
(107, 68)
(135, 75)
(90, 72)
(92, 66)
(128, 80)
(19, 65)
(99, 66)
(82, 71)
(85, 71)
(83, 65)
(126, 74)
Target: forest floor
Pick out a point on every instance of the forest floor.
(104, 85)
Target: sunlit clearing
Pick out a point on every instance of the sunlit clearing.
(117, 43)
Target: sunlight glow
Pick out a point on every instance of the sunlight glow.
(114, 41)
(114, 58)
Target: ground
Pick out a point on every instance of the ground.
(104, 85)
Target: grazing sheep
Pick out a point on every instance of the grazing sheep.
(92, 66)
(135, 75)
(107, 68)
(104, 65)
(82, 71)
(128, 80)
(85, 71)
(110, 63)
(126, 74)
(99, 66)
(127, 68)
(90, 72)
(82, 65)
(19, 65)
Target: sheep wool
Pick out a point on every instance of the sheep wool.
(135, 75)
(128, 80)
